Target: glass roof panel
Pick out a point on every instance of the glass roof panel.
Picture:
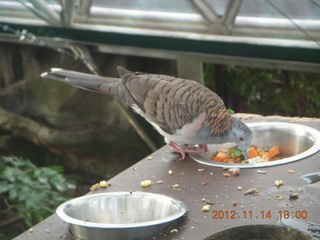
(218, 6)
(179, 6)
(294, 9)
(248, 21)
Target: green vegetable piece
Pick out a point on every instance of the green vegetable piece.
(230, 111)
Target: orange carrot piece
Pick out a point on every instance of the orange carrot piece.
(220, 157)
(262, 153)
(273, 152)
(252, 152)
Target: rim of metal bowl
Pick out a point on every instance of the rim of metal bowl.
(315, 148)
(182, 208)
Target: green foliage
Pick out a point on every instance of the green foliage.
(276, 92)
(265, 91)
(32, 191)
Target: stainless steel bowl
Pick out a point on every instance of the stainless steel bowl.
(120, 215)
(295, 141)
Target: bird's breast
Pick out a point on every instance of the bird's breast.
(188, 134)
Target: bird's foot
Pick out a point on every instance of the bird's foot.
(183, 151)
(204, 147)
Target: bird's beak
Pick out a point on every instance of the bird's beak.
(245, 152)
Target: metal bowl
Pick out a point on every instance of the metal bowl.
(295, 141)
(120, 215)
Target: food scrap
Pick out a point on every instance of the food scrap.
(205, 208)
(239, 188)
(235, 171)
(278, 183)
(226, 174)
(262, 171)
(174, 230)
(159, 181)
(170, 172)
(146, 183)
(101, 184)
(234, 203)
(293, 196)
(253, 191)
(256, 155)
(95, 187)
(291, 171)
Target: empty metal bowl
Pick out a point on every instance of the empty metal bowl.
(120, 215)
(295, 142)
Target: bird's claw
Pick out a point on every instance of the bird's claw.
(183, 151)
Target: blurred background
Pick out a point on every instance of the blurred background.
(261, 57)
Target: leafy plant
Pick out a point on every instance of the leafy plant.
(265, 91)
(31, 191)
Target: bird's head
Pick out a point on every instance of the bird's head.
(242, 135)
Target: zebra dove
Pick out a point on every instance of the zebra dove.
(186, 113)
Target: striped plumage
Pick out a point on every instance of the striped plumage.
(183, 111)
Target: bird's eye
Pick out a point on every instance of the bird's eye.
(241, 138)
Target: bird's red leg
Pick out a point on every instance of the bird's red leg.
(204, 147)
(183, 151)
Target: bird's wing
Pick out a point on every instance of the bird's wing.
(166, 101)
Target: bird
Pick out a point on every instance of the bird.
(187, 114)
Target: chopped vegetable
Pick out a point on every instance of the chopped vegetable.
(230, 111)
(264, 155)
(252, 152)
(256, 155)
(221, 157)
(235, 151)
(257, 159)
(273, 152)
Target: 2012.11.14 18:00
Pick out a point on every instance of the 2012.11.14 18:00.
(232, 214)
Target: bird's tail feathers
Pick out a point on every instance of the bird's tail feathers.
(81, 80)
